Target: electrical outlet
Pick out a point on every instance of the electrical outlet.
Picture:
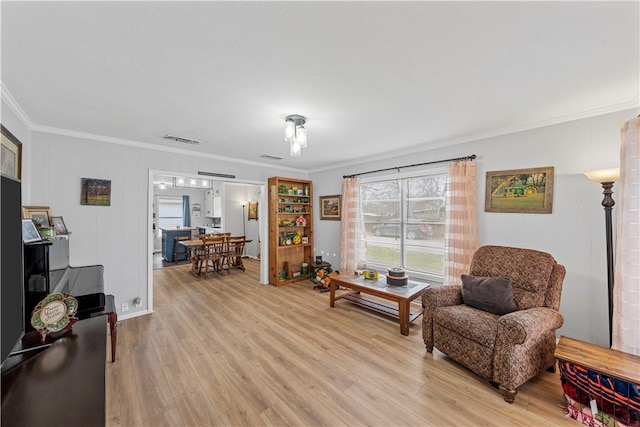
(125, 306)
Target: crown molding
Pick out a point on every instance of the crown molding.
(148, 146)
(13, 105)
(629, 105)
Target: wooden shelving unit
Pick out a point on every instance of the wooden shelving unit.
(290, 229)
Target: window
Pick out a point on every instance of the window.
(169, 212)
(404, 223)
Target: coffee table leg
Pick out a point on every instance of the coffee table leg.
(403, 314)
(332, 293)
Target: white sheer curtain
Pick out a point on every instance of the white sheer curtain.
(351, 233)
(461, 225)
(626, 293)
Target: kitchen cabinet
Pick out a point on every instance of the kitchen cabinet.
(212, 203)
(168, 242)
(290, 230)
(209, 230)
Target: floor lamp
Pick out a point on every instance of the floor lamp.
(244, 230)
(607, 177)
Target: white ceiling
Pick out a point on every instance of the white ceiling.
(372, 77)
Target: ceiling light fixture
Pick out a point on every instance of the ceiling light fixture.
(295, 133)
(180, 182)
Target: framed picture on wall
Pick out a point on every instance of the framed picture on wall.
(253, 211)
(10, 155)
(96, 192)
(41, 215)
(520, 191)
(330, 207)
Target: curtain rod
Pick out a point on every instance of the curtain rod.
(471, 157)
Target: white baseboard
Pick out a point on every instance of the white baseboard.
(133, 314)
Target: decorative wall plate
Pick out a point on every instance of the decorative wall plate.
(54, 313)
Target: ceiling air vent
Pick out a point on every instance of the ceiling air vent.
(267, 156)
(222, 175)
(181, 139)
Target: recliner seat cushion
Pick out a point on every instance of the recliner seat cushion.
(476, 325)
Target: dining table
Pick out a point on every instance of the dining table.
(195, 244)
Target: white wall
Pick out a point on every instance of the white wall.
(573, 233)
(116, 236)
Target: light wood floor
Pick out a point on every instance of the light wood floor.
(229, 351)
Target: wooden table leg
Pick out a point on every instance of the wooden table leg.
(332, 293)
(113, 325)
(403, 315)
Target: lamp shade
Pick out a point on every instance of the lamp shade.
(301, 136)
(289, 131)
(604, 175)
(295, 149)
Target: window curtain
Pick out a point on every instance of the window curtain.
(351, 232)
(626, 292)
(461, 223)
(186, 212)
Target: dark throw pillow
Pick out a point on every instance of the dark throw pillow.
(492, 294)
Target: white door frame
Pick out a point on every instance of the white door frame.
(263, 213)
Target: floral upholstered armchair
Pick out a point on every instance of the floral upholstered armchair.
(501, 322)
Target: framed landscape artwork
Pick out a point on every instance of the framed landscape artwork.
(10, 155)
(96, 192)
(41, 215)
(520, 191)
(330, 207)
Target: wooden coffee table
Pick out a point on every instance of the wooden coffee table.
(402, 295)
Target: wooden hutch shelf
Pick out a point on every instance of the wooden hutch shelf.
(290, 229)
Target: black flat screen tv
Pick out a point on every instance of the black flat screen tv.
(11, 268)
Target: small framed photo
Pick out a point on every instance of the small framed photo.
(10, 155)
(30, 232)
(58, 223)
(253, 211)
(41, 215)
(331, 207)
(520, 191)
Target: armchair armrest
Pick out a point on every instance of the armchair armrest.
(518, 326)
(437, 297)
(442, 296)
(525, 344)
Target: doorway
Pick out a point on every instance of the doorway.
(234, 195)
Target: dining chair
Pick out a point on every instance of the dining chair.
(233, 258)
(214, 248)
(176, 247)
